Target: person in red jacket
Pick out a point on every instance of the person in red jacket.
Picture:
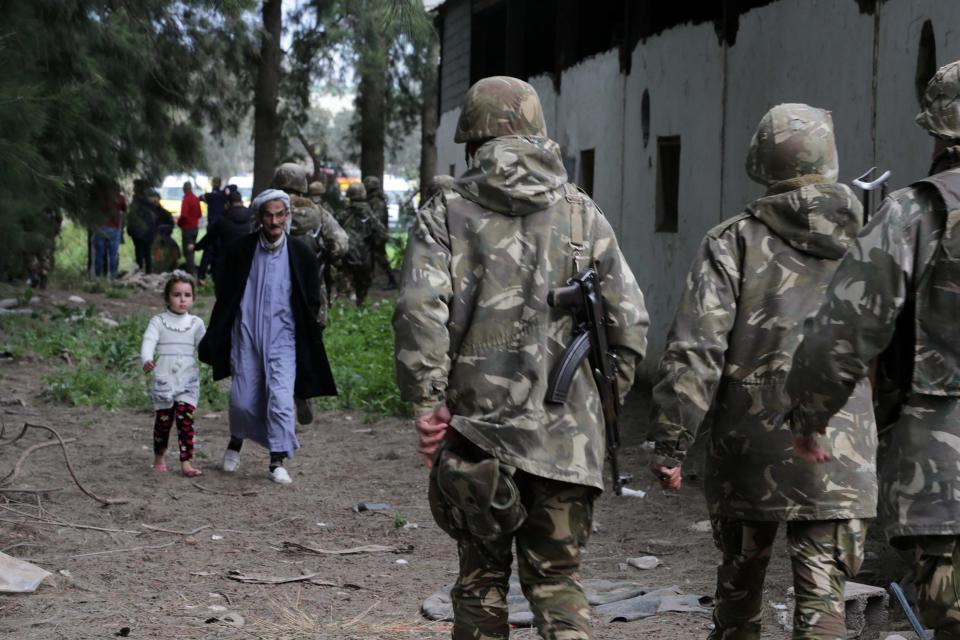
(189, 223)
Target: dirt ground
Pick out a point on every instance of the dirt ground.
(127, 580)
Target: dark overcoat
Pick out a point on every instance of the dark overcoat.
(314, 377)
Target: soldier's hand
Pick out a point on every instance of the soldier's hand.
(670, 478)
(809, 449)
(148, 366)
(431, 428)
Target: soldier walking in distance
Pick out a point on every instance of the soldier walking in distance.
(475, 342)
(378, 204)
(729, 351)
(895, 296)
(319, 230)
(365, 232)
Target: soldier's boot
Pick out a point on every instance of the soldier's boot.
(746, 548)
(936, 575)
(824, 554)
(549, 543)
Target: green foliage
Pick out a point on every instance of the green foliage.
(396, 248)
(96, 90)
(359, 344)
(399, 520)
(93, 364)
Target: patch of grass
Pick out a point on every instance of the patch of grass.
(359, 344)
(95, 365)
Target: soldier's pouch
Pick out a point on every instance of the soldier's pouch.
(474, 498)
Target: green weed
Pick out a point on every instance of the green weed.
(359, 344)
(93, 364)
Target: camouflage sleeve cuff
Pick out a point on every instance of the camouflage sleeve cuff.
(666, 461)
(805, 423)
(423, 408)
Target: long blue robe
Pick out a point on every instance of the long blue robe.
(263, 358)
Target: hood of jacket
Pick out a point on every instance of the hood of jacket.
(238, 215)
(514, 175)
(813, 216)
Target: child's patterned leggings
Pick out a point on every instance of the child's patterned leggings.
(183, 414)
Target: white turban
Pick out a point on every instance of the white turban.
(266, 196)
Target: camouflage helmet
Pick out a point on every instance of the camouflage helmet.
(317, 188)
(290, 177)
(356, 192)
(793, 140)
(371, 184)
(940, 114)
(500, 106)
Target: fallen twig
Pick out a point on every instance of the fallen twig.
(3, 429)
(367, 548)
(103, 553)
(23, 456)
(73, 474)
(179, 533)
(223, 493)
(60, 523)
(261, 579)
(37, 491)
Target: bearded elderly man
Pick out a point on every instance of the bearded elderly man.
(263, 333)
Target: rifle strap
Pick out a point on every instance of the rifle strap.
(578, 224)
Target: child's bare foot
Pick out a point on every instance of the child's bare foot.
(189, 470)
(159, 464)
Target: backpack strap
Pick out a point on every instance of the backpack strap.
(578, 225)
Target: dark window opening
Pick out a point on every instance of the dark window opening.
(586, 171)
(570, 164)
(453, 170)
(488, 42)
(926, 59)
(645, 117)
(668, 184)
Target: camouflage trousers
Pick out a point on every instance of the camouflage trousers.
(559, 517)
(823, 553)
(936, 575)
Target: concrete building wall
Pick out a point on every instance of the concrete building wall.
(455, 69)
(682, 70)
(816, 51)
(902, 146)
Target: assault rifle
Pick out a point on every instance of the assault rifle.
(581, 296)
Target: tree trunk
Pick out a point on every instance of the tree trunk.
(266, 124)
(428, 122)
(372, 92)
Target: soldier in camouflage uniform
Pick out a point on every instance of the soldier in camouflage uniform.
(378, 204)
(316, 226)
(729, 351)
(366, 232)
(895, 296)
(311, 222)
(475, 342)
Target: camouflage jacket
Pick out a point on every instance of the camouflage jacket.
(472, 325)
(731, 347)
(895, 296)
(365, 232)
(315, 225)
(378, 204)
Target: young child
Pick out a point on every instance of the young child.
(168, 346)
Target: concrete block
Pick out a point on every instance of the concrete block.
(867, 609)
